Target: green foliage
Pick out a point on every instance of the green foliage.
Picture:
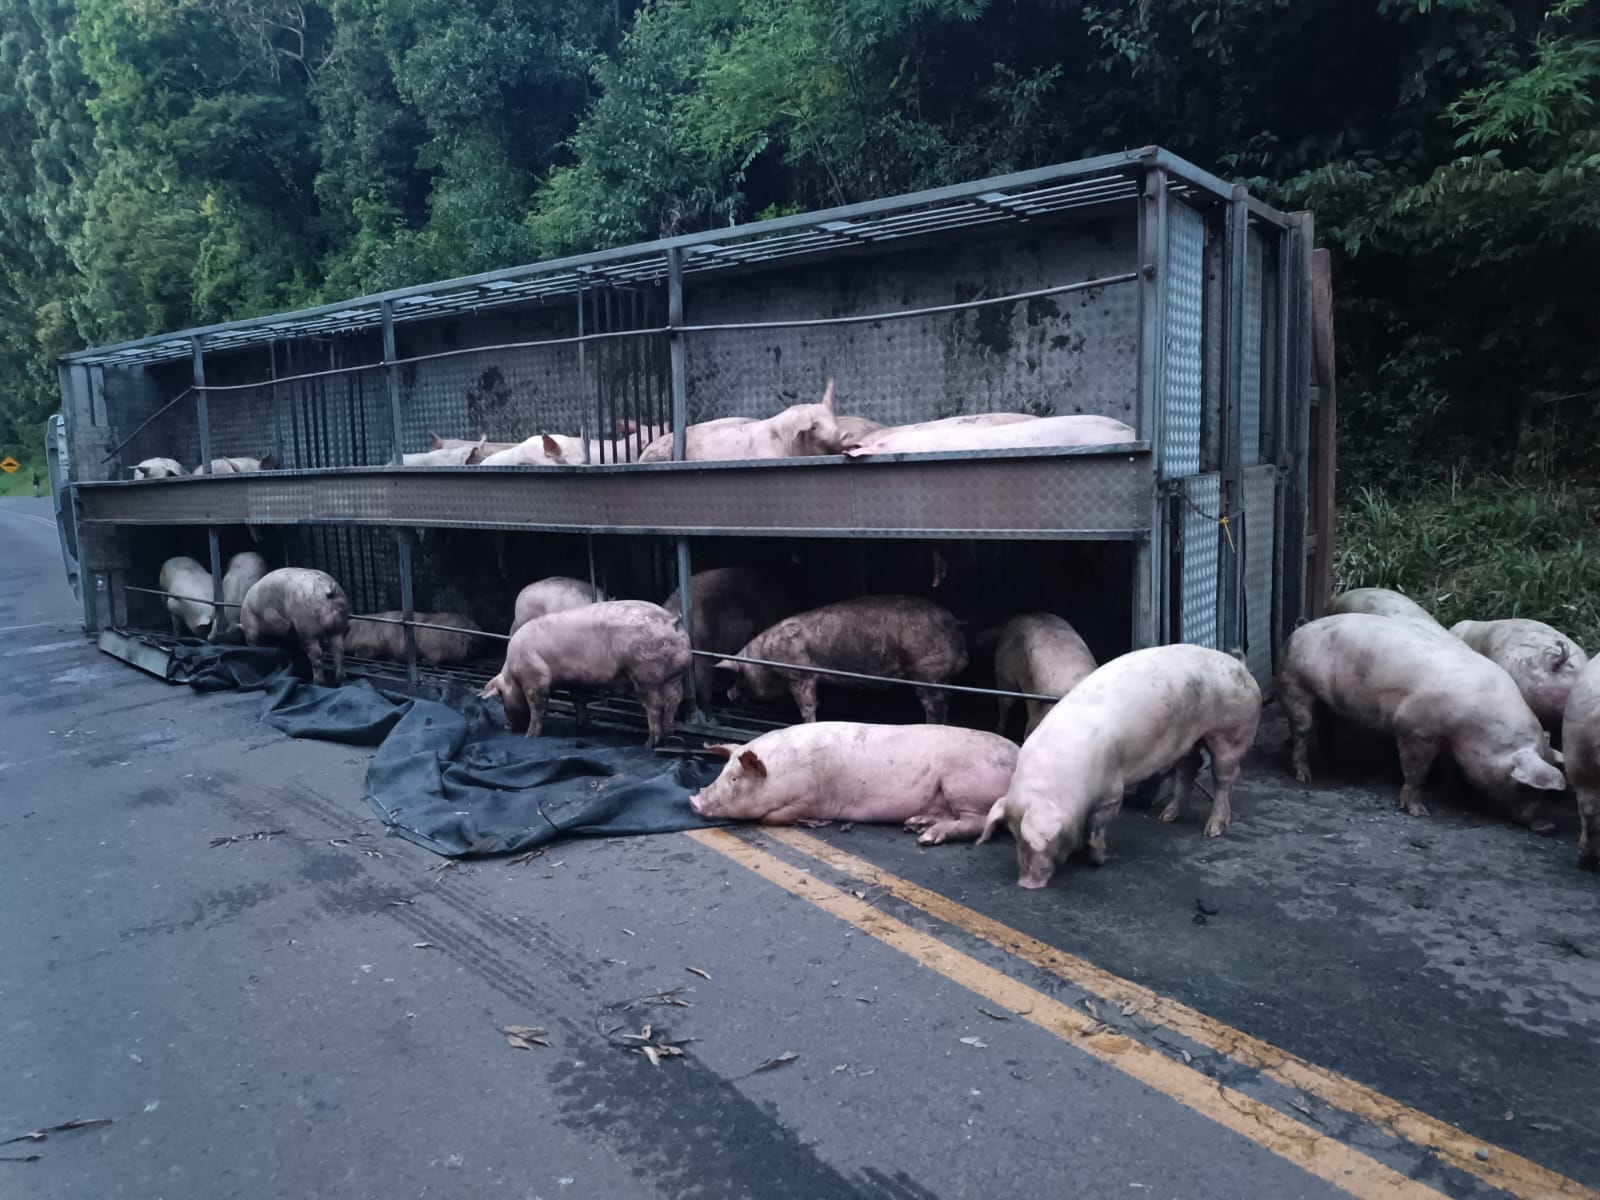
(1493, 549)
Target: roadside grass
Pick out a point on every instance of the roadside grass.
(1487, 550)
(21, 484)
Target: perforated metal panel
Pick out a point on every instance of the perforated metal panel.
(1259, 537)
(1184, 370)
(1200, 497)
(1254, 316)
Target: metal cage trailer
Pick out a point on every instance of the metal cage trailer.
(1135, 286)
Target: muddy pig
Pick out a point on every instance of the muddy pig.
(243, 570)
(157, 468)
(939, 781)
(1580, 735)
(1043, 431)
(897, 636)
(617, 646)
(555, 594)
(731, 606)
(189, 600)
(800, 431)
(378, 639)
(1138, 716)
(1039, 653)
(1432, 693)
(1543, 661)
(304, 607)
(1381, 602)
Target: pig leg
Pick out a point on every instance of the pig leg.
(515, 703)
(1005, 704)
(536, 702)
(937, 826)
(804, 691)
(1589, 828)
(1300, 706)
(1227, 759)
(580, 704)
(1417, 753)
(313, 651)
(935, 707)
(1100, 818)
(336, 652)
(1185, 769)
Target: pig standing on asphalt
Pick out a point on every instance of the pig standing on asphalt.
(1039, 653)
(189, 589)
(1138, 716)
(1042, 431)
(1543, 661)
(939, 781)
(243, 570)
(303, 606)
(1381, 602)
(614, 646)
(378, 639)
(900, 637)
(731, 606)
(157, 468)
(555, 594)
(1431, 692)
(1580, 736)
(800, 431)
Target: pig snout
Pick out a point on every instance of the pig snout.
(700, 805)
(1034, 867)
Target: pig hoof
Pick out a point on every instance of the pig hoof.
(1216, 828)
(1543, 828)
(930, 838)
(1302, 775)
(1169, 813)
(1032, 885)
(1415, 809)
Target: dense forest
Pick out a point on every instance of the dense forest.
(165, 163)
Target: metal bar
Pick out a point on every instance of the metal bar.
(371, 619)
(145, 424)
(1148, 625)
(608, 383)
(1235, 257)
(402, 542)
(392, 372)
(583, 382)
(680, 397)
(214, 544)
(1313, 357)
(812, 670)
(202, 408)
(686, 611)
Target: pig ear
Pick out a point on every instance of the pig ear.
(751, 762)
(827, 395)
(435, 442)
(269, 463)
(1040, 828)
(725, 664)
(997, 813)
(720, 751)
(1529, 769)
(476, 454)
(1557, 655)
(552, 447)
(627, 427)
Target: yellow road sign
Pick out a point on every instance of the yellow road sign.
(10, 465)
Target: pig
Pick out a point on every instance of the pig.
(157, 468)
(1431, 692)
(1381, 602)
(446, 456)
(612, 645)
(731, 606)
(541, 450)
(243, 570)
(897, 636)
(1080, 430)
(239, 466)
(858, 429)
(378, 639)
(1580, 736)
(609, 450)
(189, 596)
(800, 431)
(1543, 661)
(303, 606)
(1039, 653)
(1137, 716)
(937, 781)
(555, 594)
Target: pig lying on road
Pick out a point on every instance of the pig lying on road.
(1430, 691)
(731, 606)
(1381, 602)
(800, 431)
(305, 607)
(244, 569)
(157, 468)
(900, 637)
(1043, 431)
(1139, 715)
(188, 585)
(1039, 653)
(1543, 661)
(555, 594)
(614, 645)
(377, 639)
(1580, 735)
(937, 780)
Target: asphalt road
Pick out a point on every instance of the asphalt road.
(1372, 1005)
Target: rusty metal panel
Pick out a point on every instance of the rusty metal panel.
(1016, 494)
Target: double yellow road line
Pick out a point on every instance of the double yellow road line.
(1290, 1139)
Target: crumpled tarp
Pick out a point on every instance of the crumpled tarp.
(448, 777)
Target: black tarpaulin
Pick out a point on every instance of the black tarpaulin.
(446, 775)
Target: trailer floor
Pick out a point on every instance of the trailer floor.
(316, 1009)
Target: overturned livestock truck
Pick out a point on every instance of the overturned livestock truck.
(1133, 286)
